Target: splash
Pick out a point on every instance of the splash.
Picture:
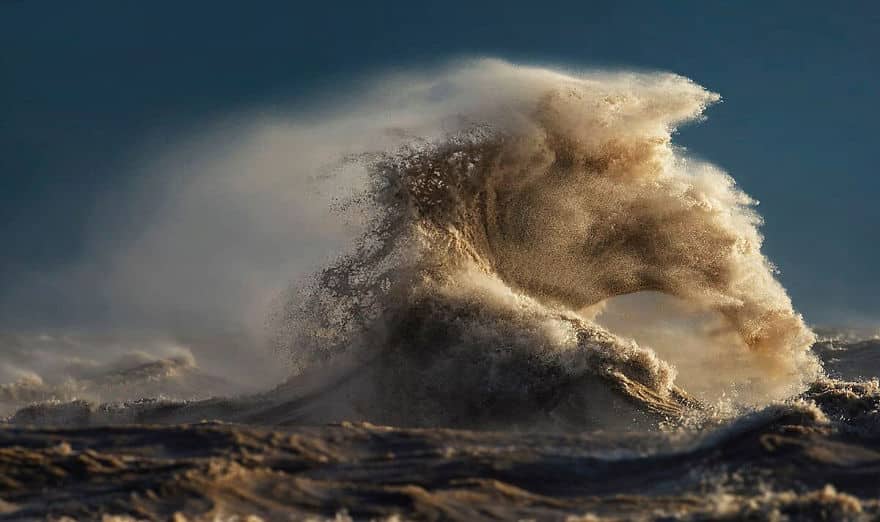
(493, 236)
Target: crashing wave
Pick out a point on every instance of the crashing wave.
(489, 247)
(495, 233)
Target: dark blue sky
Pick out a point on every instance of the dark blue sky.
(85, 85)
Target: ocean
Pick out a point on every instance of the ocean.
(550, 312)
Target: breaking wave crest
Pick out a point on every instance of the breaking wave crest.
(525, 236)
(494, 238)
(536, 255)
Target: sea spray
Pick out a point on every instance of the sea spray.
(562, 191)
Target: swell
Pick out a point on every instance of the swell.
(777, 463)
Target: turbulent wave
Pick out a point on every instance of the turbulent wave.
(507, 216)
(811, 459)
(492, 240)
(517, 227)
(536, 255)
